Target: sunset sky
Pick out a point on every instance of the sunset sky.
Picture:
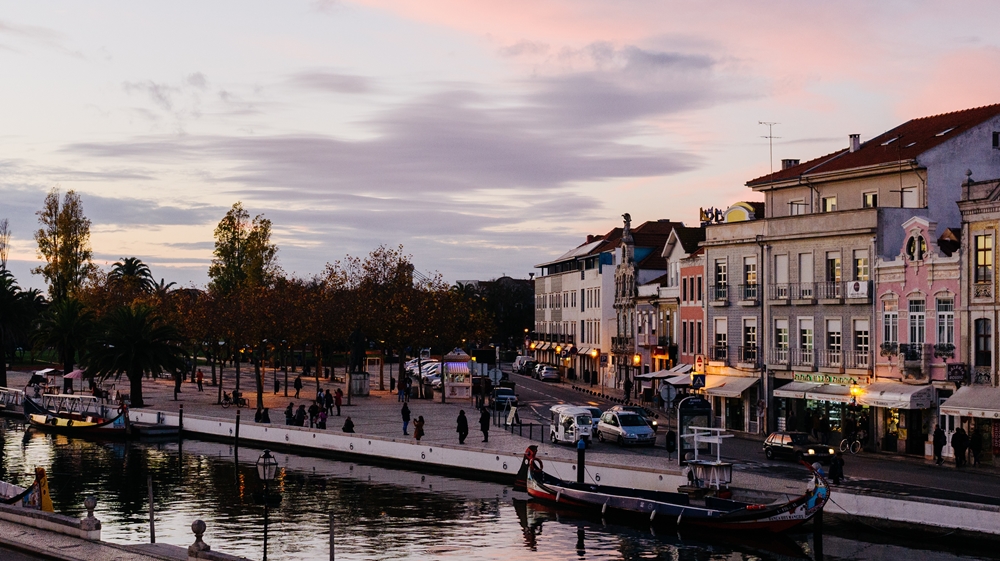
(483, 137)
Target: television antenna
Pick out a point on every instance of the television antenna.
(770, 138)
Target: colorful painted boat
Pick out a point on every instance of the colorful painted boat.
(666, 508)
(77, 423)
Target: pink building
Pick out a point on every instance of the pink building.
(918, 296)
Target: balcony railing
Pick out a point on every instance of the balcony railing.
(718, 292)
(831, 358)
(749, 291)
(983, 290)
(803, 291)
(779, 291)
(778, 355)
(805, 356)
(858, 359)
(720, 352)
(748, 354)
(829, 290)
(911, 352)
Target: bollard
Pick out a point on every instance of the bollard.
(180, 419)
(818, 534)
(152, 527)
(198, 527)
(581, 456)
(90, 524)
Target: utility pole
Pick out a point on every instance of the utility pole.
(770, 138)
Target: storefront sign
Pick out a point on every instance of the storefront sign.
(958, 372)
(838, 379)
(996, 439)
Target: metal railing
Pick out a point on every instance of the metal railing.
(830, 290)
(831, 358)
(779, 291)
(805, 356)
(911, 352)
(720, 352)
(858, 359)
(803, 290)
(778, 355)
(718, 292)
(749, 291)
(748, 354)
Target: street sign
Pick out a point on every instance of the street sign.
(697, 381)
(495, 375)
(699, 363)
(604, 360)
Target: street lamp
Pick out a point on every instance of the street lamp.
(593, 374)
(636, 361)
(267, 468)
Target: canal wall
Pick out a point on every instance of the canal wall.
(875, 508)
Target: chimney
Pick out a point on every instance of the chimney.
(855, 142)
(789, 163)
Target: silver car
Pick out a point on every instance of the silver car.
(548, 373)
(625, 428)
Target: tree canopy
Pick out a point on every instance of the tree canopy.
(64, 243)
(244, 255)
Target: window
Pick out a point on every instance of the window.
(833, 272)
(721, 272)
(749, 340)
(946, 321)
(699, 339)
(582, 301)
(721, 335)
(699, 288)
(684, 338)
(870, 200)
(805, 275)
(829, 204)
(916, 248)
(684, 290)
(909, 197)
(890, 321)
(781, 276)
(833, 335)
(862, 342)
(984, 258)
(781, 333)
(749, 278)
(861, 268)
(984, 343)
(806, 340)
(916, 321)
(795, 208)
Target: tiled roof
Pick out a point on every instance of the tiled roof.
(690, 237)
(903, 143)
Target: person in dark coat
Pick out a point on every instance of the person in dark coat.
(265, 417)
(418, 428)
(960, 442)
(313, 414)
(976, 446)
(405, 412)
(297, 385)
(290, 414)
(463, 427)
(277, 385)
(300, 416)
(338, 400)
(837, 468)
(484, 424)
(940, 439)
(348, 425)
(328, 402)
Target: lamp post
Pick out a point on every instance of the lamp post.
(593, 354)
(636, 362)
(267, 468)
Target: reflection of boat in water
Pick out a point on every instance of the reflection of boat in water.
(620, 505)
(76, 420)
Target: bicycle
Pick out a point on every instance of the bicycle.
(853, 443)
(228, 400)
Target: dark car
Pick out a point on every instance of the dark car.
(501, 398)
(797, 446)
(640, 411)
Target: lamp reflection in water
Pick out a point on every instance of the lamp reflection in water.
(267, 468)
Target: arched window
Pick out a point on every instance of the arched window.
(916, 248)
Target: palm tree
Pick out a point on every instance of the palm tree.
(133, 340)
(14, 306)
(66, 325)
(162, 288)
(132, 272)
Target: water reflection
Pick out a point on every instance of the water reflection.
(379, 513)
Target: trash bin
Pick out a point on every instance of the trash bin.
(360, 382)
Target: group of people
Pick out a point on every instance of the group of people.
(462, 424)
(961, 443)
(319, 411)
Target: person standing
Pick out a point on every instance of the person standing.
(338, 400)
(297, 385)
(976, 446)
(418, 428)
(940, 439)
(277, 384)
(313, 414)
(200, 378)
(300, 416)
(321, 422)
(405, 412)
(790, 422)
(401, 389)
(837, 468)
(409, 387)
(290, 414)
(328, 402)
(484, 424)
(463, 427)
(960, 442)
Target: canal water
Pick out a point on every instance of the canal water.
(377, 513)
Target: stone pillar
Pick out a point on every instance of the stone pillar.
(90, 525)
(198, 527)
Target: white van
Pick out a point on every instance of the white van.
(518, 364)
(570, 423)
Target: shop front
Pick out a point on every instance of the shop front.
(978, 410)
(735, 402)
(828, 411)
(904, 418)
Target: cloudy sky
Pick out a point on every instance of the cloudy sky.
(483, 137)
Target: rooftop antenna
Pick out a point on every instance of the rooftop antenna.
(770, 138)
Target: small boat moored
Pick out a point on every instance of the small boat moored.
(77, 419)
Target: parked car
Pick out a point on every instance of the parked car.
(595, 414)
(519, 362)
(799, 446)
(548, 373)
(528, 367)
(570, 423)
(501, 398)
(641, 411)
(625, 428)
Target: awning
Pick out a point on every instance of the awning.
(543, 347)
(457, 367)
(830, 392)
(681, 368)
(679, 380)
(658, 375)
(583, 351)
(974, 401)
(795, 390)
(897, 395)
(728, 386)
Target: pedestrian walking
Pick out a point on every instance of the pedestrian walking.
(328, 402)
(200, 378)
(837, 468)
(277, 384)
(300, 416)
(960, 443)
(405, 412)
(313, 414)
(418, 428)
(409, 388)
(338, 400)
(940, 439)
(484, 424)
(320, 397)
(976, 446)
(290, 414)
(463, 427)
(297, 385)
(400, 389)
(349, 425)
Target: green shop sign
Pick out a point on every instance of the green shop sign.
(820, 378)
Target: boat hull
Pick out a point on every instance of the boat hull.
(76, 425)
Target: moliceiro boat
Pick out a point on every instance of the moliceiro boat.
(666, 508)
(77, 421)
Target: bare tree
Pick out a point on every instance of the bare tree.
(4, 243)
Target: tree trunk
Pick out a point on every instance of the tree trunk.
(214, 360)
(3, 360)
(381, 372)
(260, 384)
(135, 388)
(237, 373)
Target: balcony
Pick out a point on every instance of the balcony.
(805, 356)
(749, 294)
(779, 292)
(858, 359)
(748, 354)
(912, 353)
(718, 294)
(720, 353)
(622, 344)
(830, 292)
(778, 355)
(803, 292)
(831, 358)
